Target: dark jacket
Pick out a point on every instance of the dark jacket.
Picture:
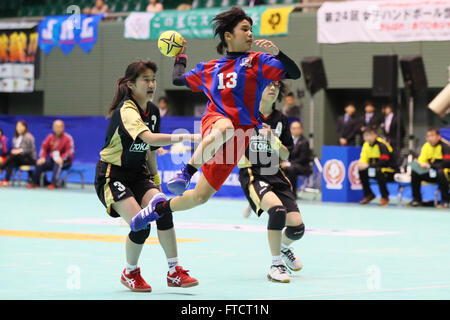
(391, 136)
(301, 155)
(348, 130)
(373, 123)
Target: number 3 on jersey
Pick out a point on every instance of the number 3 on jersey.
(230, 81)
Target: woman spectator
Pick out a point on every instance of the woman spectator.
(154, 6)
(3, 147)
(23, 151)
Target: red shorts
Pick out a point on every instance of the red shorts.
(217, 169)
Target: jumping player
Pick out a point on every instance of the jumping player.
(268, 189)
(233, 85)
(123, 178)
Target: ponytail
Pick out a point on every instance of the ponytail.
(120, 93)
(221, 46)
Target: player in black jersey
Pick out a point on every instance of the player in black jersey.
(126, 178)
(268, 189)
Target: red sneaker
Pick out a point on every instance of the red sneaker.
(180, 278)
(134, 281)
(31, 186)
(51, 187)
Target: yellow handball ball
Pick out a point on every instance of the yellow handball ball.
(170, 43)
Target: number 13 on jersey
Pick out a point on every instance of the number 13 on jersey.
(228, 82)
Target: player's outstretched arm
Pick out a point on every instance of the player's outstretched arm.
(291, 68)
(165, 139)
(179, 67)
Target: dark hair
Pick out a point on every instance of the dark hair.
(370, 131)
(162, 98)
(225, 22)
(368, 102)
(436, 130)
(16, 134)
(133, 71)
(290, 94)
(281, 93)
(350, 103)
(388, 105)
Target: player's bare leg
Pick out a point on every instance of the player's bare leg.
(277, 219)
(222, 130)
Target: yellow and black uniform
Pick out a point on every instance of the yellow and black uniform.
(260, 170)
(122, 170)
(438, 157)
(379, 157)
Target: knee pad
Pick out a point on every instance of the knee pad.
(140, 236)
(277, 218)
(165, 222)
(295, 233)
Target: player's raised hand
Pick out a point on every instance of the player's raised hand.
(183, 51)
(268, 45)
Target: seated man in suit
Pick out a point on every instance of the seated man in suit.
(348, 126)
(435, 158)
(299, 163)
(375, 162)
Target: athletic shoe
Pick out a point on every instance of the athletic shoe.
(180, 278)
(148, 214)
(278, 274)
(31, 186)
(134, 281)
(414, 203)
(180, 182)
(51, 187)
(291, 261)
(442, 205)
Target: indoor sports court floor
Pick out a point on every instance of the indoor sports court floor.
(62, 245)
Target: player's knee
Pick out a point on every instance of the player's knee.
(226, 130)
(201, 198)
(165, 222)
(295, 233)
(277, 218)
(139, 237)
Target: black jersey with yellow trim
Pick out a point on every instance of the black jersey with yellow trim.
(123, 147)
(259, 152)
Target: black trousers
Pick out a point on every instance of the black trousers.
(48, 165)
(15, 161)
(292, 174)
(382, 178)
(441, 180)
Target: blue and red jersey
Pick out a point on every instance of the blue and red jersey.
(234, 84)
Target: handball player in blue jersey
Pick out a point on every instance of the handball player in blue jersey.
(234, 85)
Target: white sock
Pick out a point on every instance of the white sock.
(131, 268)
(172, 262)
(276, 260)
(284, 247)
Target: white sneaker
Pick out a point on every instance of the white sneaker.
(247, 211)
(278, 274)
(291, 261)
